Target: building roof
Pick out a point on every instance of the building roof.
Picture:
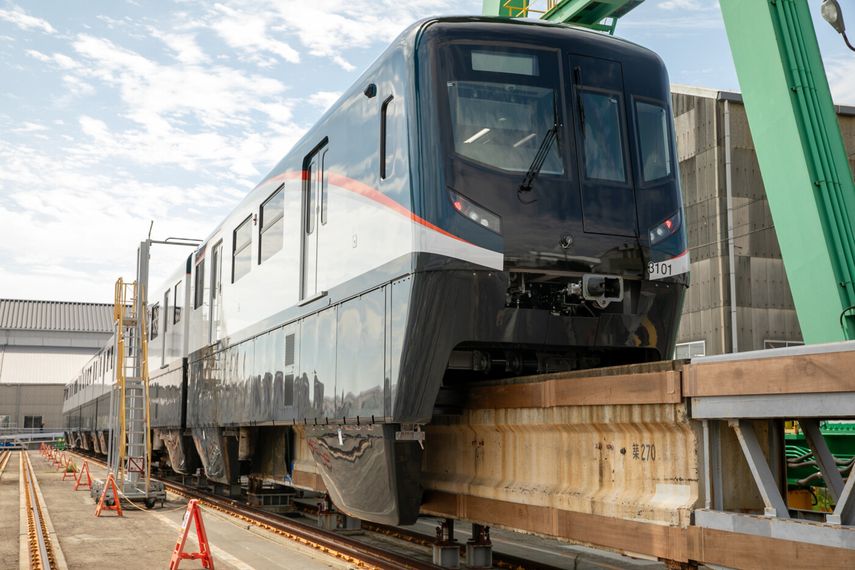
(57, 316)
(709, 93)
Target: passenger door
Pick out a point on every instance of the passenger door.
(608, 195)
(314, 218)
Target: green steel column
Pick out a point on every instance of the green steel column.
(802, 157)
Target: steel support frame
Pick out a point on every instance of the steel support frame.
(766, 483)
(713, 483)
(844, 512)
(824, 458)
(769, 472)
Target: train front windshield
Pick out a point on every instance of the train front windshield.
(502, 103)
(607, 163)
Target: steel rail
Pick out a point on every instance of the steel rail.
(4, 460)
(41, 553)
(359, 552)
(500, 559)
(330, 543)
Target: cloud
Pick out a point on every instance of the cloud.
(184, 113)
(59, 59)
(192, 117)
(841, 79)
(29, 127)
(26, 22)
(248, 32)
(79, 232)
(324, 99)
(327, 28)
(691, 5)
(184, 46)
(157, 94)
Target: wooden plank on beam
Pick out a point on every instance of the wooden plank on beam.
(738, 550)
(620, 534)
(802, 374)
(558, 390)
(704, 545)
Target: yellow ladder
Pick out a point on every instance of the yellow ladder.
(133, 451)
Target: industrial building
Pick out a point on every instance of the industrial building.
(739, 298)
(43, 344)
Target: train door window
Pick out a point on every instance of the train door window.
(270, 232)
(653, 141)
(155, 321)
(322, 181)
(241, 252)
(166, 319)
(385, 110)
(313, 198)
(177, 302)
(165, 311)
(602, 138)
(607, 192)
(199, 285)
(216, 292)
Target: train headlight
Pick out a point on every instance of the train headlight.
(476, 213)
(665, 229)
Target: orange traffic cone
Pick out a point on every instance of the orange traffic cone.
(102, 502)
(84, 469)
(193, 513)
(70, 471)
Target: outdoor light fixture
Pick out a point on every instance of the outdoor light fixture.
(832, 14)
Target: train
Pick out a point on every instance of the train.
(490, 199)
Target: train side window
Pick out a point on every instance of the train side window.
(602, 136)
(384, 122)
(241, 252)
(177, 302)
(270, 232)
(653, 141)
(155, 320)
(199, 285)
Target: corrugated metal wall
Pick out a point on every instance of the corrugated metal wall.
(764, 306)
(20, 400)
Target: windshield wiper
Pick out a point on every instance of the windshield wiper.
(539, 157)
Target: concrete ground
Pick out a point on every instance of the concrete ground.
(142, 538)
(9, 507)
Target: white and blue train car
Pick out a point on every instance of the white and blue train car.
(491, 198)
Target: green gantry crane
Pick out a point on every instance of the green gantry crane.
(797, 137)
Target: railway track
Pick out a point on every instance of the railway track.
(332, 543)
(40, 547)
(5, 456)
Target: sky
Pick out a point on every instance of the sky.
(114, 113)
